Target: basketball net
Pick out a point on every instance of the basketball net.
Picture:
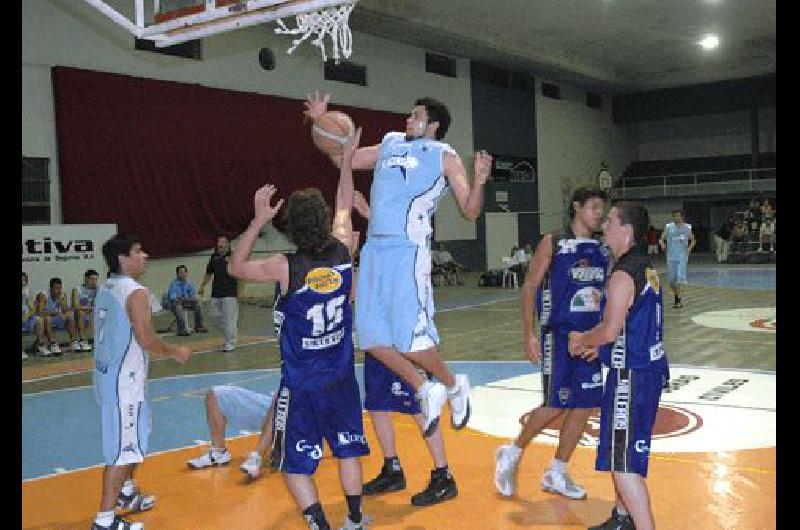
(331, 21)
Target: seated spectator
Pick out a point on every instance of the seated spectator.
(754, 219)
(767, 234)
(83, 305)
(182, 296)
(442, 258)
(739, 236)
(767, 211)
(519, 262)
(31, 323)
(722, 239)
(652, 241)
(52, 307)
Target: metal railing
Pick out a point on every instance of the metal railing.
(699, 183)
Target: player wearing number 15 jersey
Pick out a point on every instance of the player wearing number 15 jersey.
(318, 397)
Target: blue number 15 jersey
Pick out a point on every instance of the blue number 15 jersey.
(313, 320)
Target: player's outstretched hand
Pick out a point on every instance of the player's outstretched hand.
(264, 211)
(483, 167)
(316, 107)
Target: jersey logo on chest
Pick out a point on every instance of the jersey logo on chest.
(323, 280)
(403, 162)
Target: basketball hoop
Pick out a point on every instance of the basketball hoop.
(331, 21)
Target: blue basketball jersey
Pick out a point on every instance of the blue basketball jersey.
(407, 184)
(572, 291)
(640, 344)
(313, 320)
(120, 362)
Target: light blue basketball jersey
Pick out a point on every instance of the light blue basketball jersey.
(120, 370)
(407, 184)
(678, 241)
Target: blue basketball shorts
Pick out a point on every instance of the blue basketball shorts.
(125, 426)
(242, 408)
(303, 418)
(394, 298)
(676, 272)
(386, 391)
(627, 416)
(567, 382)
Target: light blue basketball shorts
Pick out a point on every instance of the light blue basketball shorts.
(243, 409)
(676, 272)
(126, 428)
(394, 296)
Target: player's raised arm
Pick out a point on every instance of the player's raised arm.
(469, 199)
(274, 268)
(363, 158)
(342, 228)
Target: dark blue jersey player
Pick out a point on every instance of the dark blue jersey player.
(566, 277)
(318, 397)
(638, 367)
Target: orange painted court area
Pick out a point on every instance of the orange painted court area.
(688, 490)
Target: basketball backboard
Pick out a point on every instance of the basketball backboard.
(166, 25)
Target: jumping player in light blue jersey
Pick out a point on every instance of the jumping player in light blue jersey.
(638, 367)
(394, 306)
(566, 277)
(386, 392)
(318, 396)
(678, 240)
(124, 336)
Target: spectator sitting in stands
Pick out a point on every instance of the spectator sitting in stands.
(182, 296)
(722, 239)
(83, 305)
(767, 234)
(52, 307)
(443, 259)
(754, 219)
(767, 212)
(31, 323)
(519, 262)
(740, 236)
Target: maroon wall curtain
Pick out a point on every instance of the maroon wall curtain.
(178, 164)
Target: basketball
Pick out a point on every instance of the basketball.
(332, 131)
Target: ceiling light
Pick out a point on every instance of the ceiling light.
(709, 42)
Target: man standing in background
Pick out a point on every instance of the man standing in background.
(224, 293)
(678, 241)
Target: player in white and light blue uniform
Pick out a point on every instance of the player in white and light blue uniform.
(394, 308)
(124, 335)
(318, 397)
(679, 241)
(82, 303)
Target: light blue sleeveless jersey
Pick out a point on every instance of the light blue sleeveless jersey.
(407, 185)
(120, 370)
(678, 241)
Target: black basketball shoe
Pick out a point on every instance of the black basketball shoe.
(441, 488)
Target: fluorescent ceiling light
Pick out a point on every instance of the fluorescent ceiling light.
(710, 42)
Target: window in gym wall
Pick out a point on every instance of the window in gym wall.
(35, 190)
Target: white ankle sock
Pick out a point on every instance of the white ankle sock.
(104, 518)
(514, 451)
(558, 465)
(128, 487)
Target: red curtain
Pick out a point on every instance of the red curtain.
(178, 164)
